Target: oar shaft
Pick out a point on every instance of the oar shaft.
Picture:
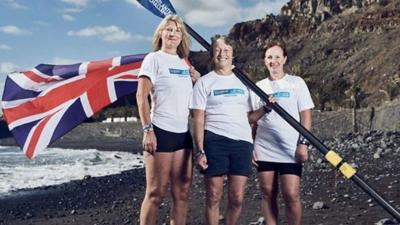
(381, 201)
(198, 38)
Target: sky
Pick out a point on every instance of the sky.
(70, 31)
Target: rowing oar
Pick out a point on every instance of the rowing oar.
(162, 8)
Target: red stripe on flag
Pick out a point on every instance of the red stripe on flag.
(98, 95)
(36, 78)
(35, 137)
(188, 62)
(128, 77)
(93, 66)
(122, 68)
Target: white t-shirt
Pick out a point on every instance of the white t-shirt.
(172, 90)
(226, 101)
(276, 140)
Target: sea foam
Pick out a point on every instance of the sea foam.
(55, 166)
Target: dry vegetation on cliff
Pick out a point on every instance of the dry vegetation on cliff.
(347, 50)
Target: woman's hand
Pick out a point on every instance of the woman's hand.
(194, 74)
(272, 99)
(201, 162)
(254, 160)
(301, 153)
(149, 142)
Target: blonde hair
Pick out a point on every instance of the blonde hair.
(183, 47)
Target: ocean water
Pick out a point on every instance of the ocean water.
(55, 166)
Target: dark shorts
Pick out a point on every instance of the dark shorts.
(281, 168)
(170, 142)
(226, 156)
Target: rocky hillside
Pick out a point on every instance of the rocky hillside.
(347, 50)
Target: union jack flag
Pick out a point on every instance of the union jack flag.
(44, 103)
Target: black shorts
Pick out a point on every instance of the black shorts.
(281, 168)
(226, 156)
(170, 142)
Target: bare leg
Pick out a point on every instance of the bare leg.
(158, 169)
(269, 186)
(181, 180)
(291, 195)
(236, 187)
(214, 191)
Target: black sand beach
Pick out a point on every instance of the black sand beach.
(328, 198)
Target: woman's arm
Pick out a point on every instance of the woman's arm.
(142, 95)
(254, 116)
(198, 122)
(305, 120)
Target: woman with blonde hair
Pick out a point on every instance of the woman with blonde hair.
(167, 77)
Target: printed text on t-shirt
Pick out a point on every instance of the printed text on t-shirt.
(229, 92)
(179, 72)
(282, 94)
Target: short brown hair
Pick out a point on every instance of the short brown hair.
(273, 43)
(216, 37)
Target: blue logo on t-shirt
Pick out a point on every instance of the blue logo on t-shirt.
(229, 92)
(179, 72)
(282, 94)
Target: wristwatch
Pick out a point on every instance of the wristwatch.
(199, 153)
(267, 109)
(303, 141)
(147, 128)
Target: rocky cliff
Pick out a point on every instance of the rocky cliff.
(346, 50)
